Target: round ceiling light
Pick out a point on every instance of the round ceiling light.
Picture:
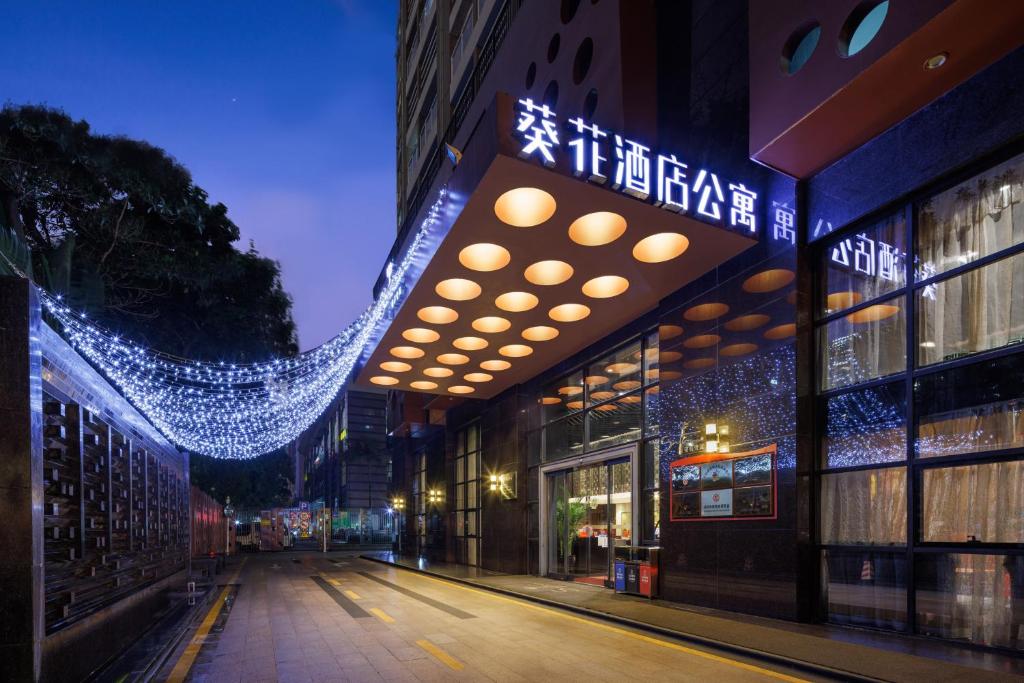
(423, 385)
(570, 390)
(780, 332)
(549, 400)
(768, 281)
(595, 380)
(524, 207)
(384, 380)
(406, 352)
(737, 349)
(569, 313)
(548, 272)
(622, 368)
(745, 323)
(438, 315)
(457, 289)
(478, 377)
(605, 286)
(461, 389)
(491, 324)
(453, 359)
(495, 365)
(701, 341)
(395, 366)
(574, 405)
(420, 335)
(598, 228)
(699, 363)
(703, 312)
(626, 385)
(540, 333)
(438, 372)
(669, 332)
(663, 246)
(837, 301)
(470, 343)
(515, 350)
(873, 314)
(484, 257)
(516, 302)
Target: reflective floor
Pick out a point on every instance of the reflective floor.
(310, 617)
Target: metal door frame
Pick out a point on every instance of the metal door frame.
(631, 451)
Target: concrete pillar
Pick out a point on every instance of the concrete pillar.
(21, 482)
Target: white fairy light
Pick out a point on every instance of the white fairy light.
(239, 410)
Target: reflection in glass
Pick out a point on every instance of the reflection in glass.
(971, 409)
(974, 598)
(651, 350)
(865, 427)
(562, 397)
(615, 422)
(614, 375)
(863, 345)
(864, 507)
(563, 438)
(971, 503)
(864, 266)
(979, 310)
(651, 416)
(865, 588)
(979, 217)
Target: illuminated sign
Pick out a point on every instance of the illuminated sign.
(604, 157)
(724, 486)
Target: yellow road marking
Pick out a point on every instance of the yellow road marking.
(621, 631)
(441, 655)
(353, 595)
(188, 657)
(382, 615)
(334, 582)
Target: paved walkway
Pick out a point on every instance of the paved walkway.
(861, 653)
(336, 617)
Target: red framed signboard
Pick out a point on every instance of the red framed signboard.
(713, 487)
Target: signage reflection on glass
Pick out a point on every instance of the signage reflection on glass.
(724, 486)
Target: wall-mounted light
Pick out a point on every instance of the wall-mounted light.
(503, 484)
(716, 438)
(435, 496)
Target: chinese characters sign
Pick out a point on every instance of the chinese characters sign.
(604, 157)
(721, 486)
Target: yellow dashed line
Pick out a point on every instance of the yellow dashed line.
(621, 631)
(334, 582)
(188, 657)
(353, 595)
(382, 615)
(441, 655)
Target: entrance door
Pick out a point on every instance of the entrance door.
(590, 512)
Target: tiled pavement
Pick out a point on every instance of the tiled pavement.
(310, 617)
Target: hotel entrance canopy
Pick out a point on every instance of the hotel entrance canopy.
(530, 265)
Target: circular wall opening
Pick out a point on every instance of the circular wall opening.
(799, 48)
(551, 94)
(590, 103)
(531, 74)
(569, 8)
(553, 45)
(861, 27)
(581, 63)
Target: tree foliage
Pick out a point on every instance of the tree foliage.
(118, 226)
(257, 484)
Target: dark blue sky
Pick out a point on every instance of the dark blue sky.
(281, 109)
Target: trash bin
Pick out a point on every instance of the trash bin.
(620, 576)
(632, 577)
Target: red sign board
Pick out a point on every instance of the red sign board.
(724, 486)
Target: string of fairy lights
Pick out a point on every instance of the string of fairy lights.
(238, 410)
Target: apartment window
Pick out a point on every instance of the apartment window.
(467, 495)
(461, 44)
(921, 409)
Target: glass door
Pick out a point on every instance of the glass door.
(588, 521)
(559, 539)
(620, 508)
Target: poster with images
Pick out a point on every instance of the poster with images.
(724, 486)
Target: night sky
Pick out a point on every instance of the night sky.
(282, 109)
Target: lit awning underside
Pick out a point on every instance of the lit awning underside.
(490, 343)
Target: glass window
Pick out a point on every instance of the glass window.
(863, 345)
(865, 427)
(864, 507)
(864, 266)
(615, 422)
(974, 503)
(614, 375)
(971, 597)
(651, 350)
(979, 310)
(562, 397)
(564, 438)
(979, 217)
(865, 588)
(651, 482)
(971, 409)
(651, 415)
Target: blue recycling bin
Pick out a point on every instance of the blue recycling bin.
(620, 576)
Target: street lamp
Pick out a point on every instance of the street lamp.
(229, 512)
(399, 505)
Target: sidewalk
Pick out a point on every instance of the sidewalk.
(854, 654)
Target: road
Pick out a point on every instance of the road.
(309, 617)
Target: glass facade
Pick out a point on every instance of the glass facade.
(921, 464)
(467, 495)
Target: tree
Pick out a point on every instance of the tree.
(118, 227)
(257, 484)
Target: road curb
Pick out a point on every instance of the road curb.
(732, 648)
